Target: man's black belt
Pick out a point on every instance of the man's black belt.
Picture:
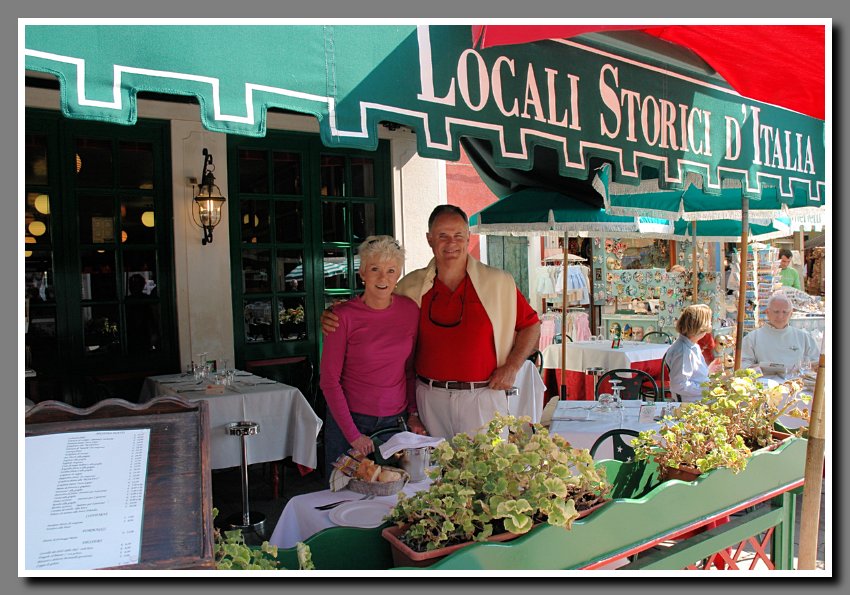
(453, 384)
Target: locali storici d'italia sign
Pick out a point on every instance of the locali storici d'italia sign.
(584, 99)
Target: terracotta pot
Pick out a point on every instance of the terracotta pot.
(778, 438)
(682, 472)
(591, 509)
(403, 555)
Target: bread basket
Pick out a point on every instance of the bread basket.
(378, 488)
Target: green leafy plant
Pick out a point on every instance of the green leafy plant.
(232, 553)
(487, 484)
(752, 408)
(694, 436)
(736, 415)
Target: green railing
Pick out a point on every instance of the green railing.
(642, 514)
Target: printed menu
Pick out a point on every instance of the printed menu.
(84, 499)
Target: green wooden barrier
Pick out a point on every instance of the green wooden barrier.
(642, 513)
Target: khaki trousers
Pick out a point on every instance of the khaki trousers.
(447, 412)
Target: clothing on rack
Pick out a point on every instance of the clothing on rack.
(546, 281)
(550, 325)
(578, 284)
(578, 325)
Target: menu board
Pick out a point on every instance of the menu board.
(84, 499)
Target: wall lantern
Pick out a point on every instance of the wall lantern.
(206, 210)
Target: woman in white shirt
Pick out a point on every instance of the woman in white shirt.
(684, 358)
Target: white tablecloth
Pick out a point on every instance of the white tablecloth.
(599, 354)
(299, 519)
(791, 422)
(288, 426)
(582, 434)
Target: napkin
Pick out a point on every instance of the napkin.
(404, 440)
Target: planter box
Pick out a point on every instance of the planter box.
(643, 510)
(404, 556)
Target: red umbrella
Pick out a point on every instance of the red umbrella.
(783, 65)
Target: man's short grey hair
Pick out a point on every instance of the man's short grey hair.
(381, 248)
(779, 296)
(446, 209)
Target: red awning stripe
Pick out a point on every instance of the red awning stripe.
(783, 65)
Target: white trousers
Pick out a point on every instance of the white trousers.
(448, 412)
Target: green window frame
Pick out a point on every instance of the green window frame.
(100, 263)
(293, 245)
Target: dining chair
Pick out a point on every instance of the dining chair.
(557, 338)
(657, 337)
(636, 384)
(622, 450)
(537, 359)
(664, 387)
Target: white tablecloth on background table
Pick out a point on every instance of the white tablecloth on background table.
(300, 519)
(288, 426)
(599, 354)
(582, 434)
(791, 422)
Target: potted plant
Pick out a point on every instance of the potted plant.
(232, 553)
(693, 440)
(753, 409)
(736, 415)
(487, 487)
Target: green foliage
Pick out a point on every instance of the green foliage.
(231, 553)
(735, 416)
(486, 484)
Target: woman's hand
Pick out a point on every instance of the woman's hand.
(414, 424)
(715, 366)
(363, 444)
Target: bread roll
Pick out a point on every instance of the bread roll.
(367, 470)
(388, 476)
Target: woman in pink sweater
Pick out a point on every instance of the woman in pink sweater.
(367, 372)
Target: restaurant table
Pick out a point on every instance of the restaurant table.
(300, 519)
(288, 425)
(599, 354)
(583, 433)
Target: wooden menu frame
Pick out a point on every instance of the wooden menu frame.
(177, 530)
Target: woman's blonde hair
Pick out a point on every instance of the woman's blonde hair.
(381, 248)
(694, 320)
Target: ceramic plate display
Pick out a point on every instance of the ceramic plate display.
(365, 514)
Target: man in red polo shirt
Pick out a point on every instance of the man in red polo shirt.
(475, 331)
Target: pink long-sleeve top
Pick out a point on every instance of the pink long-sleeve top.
(367, 364)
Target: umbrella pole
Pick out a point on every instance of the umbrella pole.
(695, 274)
(564, 319)
(813, 478)
(742, 282)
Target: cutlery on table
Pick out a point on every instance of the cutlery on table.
(335, 504)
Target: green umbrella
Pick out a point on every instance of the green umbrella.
(541, 212)
(533, 211)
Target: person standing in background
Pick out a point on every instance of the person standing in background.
(788, 274)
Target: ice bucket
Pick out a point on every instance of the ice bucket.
(416, 461)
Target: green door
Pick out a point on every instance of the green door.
(98, 257)
(298, 212)
(510, 254)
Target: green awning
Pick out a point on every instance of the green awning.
(586, 102)
(539, 212)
